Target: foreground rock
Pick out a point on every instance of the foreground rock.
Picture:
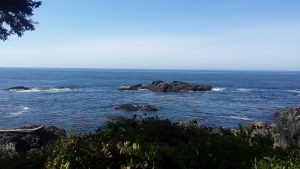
(18, 88)
(136, 107)
(285, 131)
(174, 86)
(24, 139)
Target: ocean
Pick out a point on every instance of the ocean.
(84, 98)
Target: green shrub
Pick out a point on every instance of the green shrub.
(288, 161)
(156, 143)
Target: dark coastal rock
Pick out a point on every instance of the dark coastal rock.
(26, 138)
(156, 82)
(287, 128)
(188, 123)
(136, 107)
(285, 131)
(18, 88)
(174, 86)
(257, 128)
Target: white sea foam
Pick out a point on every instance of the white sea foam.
(240, 118)
(124, 87)
(294, 91)
(33, 90)
(57, 90)
(47, 90)
(20, 112)
(243, 90)
(142, 89)
(218, 89)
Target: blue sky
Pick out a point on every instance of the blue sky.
(160, 34)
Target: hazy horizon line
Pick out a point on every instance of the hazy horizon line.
(151, 69)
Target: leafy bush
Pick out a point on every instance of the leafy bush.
(156, 143)
(290, 161)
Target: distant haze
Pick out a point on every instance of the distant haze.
(156, 34)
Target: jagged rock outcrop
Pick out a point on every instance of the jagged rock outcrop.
(285, 131)
(26, 138)
(136, 107)
(174, 86)
(287, 128)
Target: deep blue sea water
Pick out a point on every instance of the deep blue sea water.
(85, 97)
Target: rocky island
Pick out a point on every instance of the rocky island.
(175, 86)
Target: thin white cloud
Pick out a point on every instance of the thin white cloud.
(264, 47)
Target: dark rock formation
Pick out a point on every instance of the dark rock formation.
(18, 88)
(136, 107)
(174, 86)
(156, 82)
(287, 129)
(26, 138)
(252, 130)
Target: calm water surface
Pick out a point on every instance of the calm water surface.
(85, 97)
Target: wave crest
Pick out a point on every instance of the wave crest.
(240, 118)
(24, 109)
(294, 91)
(218, 89)
(235, 117)
(47, 90)
(243, 90)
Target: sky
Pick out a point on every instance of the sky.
(160, 34)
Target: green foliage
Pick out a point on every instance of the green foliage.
(289, 161)
(157, 143)
(15, 17)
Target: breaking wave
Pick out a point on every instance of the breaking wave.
(124, 87)
(218, 89)
(294, 91)
(24, 109)
(240, 117)
(143, 89)
(46, 90)
(243, 90)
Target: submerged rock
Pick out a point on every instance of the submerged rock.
(136, 107)
(174, 86)
(26, 138)
(18, 88)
